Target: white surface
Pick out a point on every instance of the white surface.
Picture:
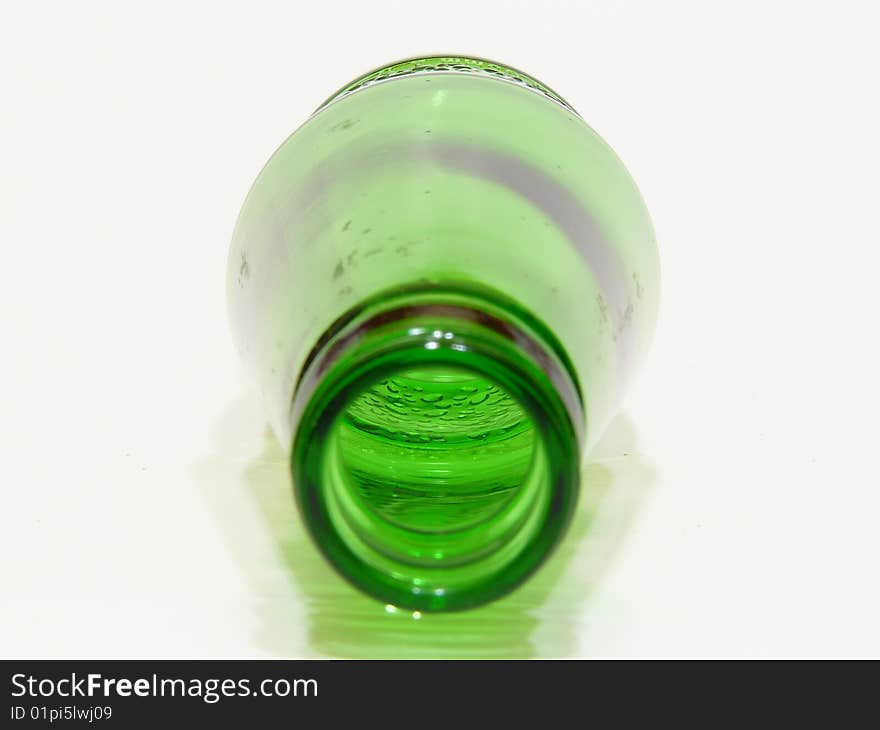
(735, 506)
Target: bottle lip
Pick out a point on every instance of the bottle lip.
(445, 330)
(467, 306)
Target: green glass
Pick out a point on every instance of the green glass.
(443, 282)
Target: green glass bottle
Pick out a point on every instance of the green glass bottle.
(443, 282)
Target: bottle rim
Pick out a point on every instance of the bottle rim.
(433, 329)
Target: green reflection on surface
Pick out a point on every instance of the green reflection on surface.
(539, 619)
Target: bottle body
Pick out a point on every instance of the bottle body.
(443, 282)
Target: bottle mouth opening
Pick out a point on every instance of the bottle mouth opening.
(435, 461)
(432, 451)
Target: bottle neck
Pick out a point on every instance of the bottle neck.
(436, 447)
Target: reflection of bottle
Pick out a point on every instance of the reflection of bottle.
(442, 282)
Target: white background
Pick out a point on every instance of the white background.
(733, 508)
